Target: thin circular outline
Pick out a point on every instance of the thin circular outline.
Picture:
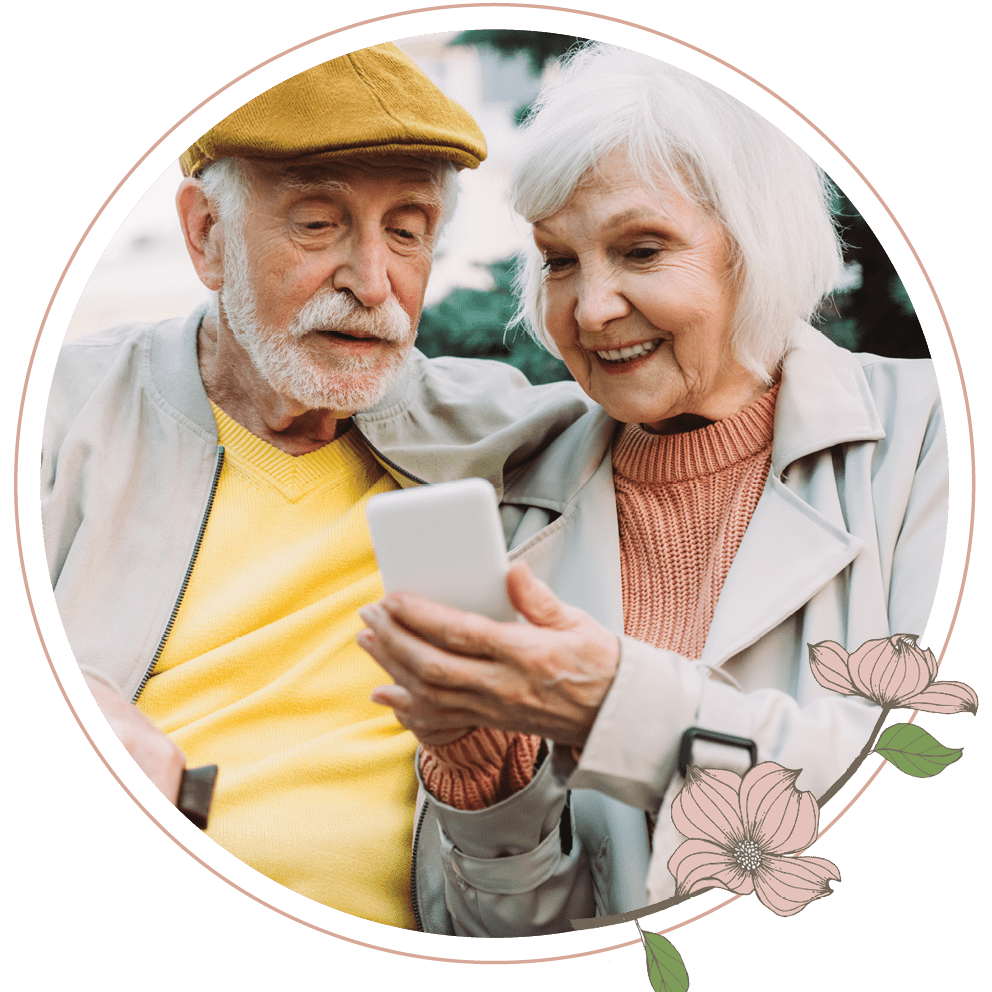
(294, 48)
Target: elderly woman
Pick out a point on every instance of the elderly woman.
(746, 489)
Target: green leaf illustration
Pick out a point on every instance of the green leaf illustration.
(913, 751)
(666, 972)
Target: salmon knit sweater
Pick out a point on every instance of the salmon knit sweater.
(683, 504)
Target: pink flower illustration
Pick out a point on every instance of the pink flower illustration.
(892, 672)
(740, 831)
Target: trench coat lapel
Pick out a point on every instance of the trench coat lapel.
(789, 552)
(796, 541)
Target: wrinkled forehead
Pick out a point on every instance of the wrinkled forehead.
(423, 177)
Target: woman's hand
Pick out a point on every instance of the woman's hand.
(454, 670)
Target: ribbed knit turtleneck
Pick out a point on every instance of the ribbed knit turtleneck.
(683, 504)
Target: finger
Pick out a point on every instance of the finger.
(433, 677)
(400, 673)
(440, 645)
(435, 728)
(392, 695)
(535, 601)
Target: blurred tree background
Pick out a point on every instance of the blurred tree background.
(872, 312)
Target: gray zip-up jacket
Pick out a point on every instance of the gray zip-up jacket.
(130, 462)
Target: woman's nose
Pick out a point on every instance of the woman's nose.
(599, 300)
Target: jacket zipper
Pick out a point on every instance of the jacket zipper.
(388, 462)
(413, 868)
(189, 571)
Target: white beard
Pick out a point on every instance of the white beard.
(294, 360)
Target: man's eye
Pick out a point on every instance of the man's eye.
(316, 225)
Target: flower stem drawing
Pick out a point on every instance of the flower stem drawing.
(745, 833)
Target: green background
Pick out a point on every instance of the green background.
(96, 894)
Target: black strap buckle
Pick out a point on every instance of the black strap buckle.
(694, 733)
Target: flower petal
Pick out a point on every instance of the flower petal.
(914, 670)
(828, 663)
(707, 807)
(945, 697)
(698, 864)
(795, 830)
(863, 662)
(786, 885)
(778, 817)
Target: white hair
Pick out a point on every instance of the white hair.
(769, 197)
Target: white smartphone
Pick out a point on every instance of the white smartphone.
(443, 542)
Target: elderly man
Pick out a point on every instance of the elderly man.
(204, 481)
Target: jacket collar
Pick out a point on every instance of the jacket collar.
(440, 420)
(790, 549)
(174, 370)
(824, 400)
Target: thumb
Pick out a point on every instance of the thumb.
(535, 601)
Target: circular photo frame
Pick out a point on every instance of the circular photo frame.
(185, 858)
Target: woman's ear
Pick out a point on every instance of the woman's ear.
(202, 232)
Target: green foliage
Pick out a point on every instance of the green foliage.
(666, 970)
(875, 315)
(913, 751)
(471, 323)
(538, 46)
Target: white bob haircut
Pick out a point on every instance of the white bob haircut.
(769, 197)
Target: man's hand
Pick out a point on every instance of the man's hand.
(456, 670)
(155, 754)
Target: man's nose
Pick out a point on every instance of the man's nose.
(363, 270)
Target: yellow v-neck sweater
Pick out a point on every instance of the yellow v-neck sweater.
(262, 676)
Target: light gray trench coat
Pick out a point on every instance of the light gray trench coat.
(845, 544)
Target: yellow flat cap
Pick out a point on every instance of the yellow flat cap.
(372, 102)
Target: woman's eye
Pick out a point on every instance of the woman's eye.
(316, 225)
(642, 253)
(557, 263)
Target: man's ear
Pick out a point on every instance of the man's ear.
(202, 232)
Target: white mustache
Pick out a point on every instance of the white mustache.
(331, 310)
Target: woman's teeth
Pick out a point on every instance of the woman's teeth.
(629, 353)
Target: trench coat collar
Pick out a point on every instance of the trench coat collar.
(790, 549)
(824, 400)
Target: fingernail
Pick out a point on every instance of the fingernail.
(364, 638)
(370, 613)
